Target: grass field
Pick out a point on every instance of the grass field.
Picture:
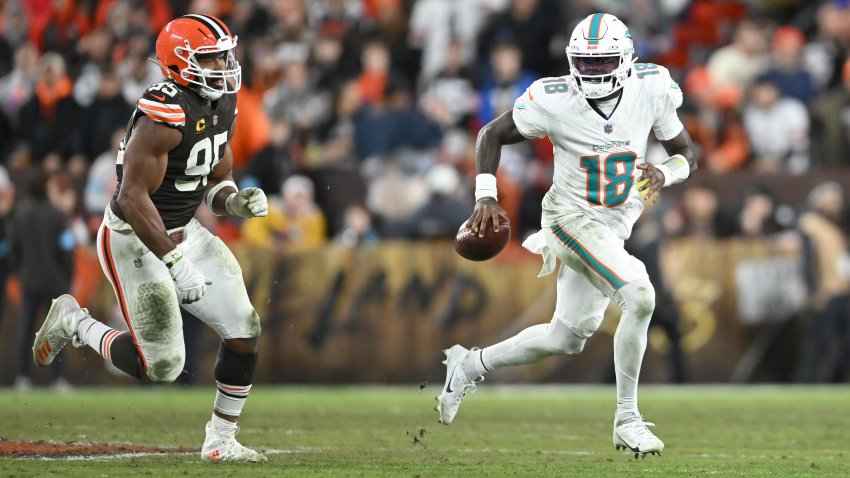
(500, 432)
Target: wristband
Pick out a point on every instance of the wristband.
(215, 189)
(171, 258)
(485, 186)
(675, 170)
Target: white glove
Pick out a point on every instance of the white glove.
(190, 282)
(249, 202)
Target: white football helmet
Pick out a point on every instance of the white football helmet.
(600, 55)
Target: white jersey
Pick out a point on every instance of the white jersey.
(595, 156)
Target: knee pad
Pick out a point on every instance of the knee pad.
(637, 297)
(166, 369)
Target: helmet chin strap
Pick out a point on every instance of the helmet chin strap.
(209, 95)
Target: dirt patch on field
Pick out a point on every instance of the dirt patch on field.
(43, 449)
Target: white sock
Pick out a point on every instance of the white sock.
(229, 399)
(98, 336)
(222, 424)
(474, 366)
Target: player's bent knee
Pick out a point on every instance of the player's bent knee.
(562, 340)
(638, 297)
(573, 345)
(166, 369)
(254, 325)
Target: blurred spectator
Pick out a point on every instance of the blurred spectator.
(831, 44)
(384, 127)
(699, 215)
(13, 33)
(447, 208)
(42, 257)
(94, 50)
(252, 124)
(757, 215)
(57, 25)
(48, 119)
(327, 68)
(825, 258)
(507, 82)
(439, 26)
(124, 16)
(394, 193)
(786, 69)
(335, 143)
(450, 98)
(343, 13)
(390, 26)
(710, 113)
(294, 224)
(137, 74)
(831, 123)
(98, 121)
(778, 128)
(7, 201)
(357, 228)
(742, 61)
(290, 31)
(372, 81)
(274, 163)
(529, 24)
(102, 181)
(296, 99)
(16, 87)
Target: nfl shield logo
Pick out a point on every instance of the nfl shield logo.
(215, 120)
(609, 128)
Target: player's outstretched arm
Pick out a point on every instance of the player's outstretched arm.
(224, 198)
(488, 150)
(681, 162)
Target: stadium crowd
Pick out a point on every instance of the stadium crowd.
(359, 117)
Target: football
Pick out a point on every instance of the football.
(470, 246)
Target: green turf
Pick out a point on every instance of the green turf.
(501, 431)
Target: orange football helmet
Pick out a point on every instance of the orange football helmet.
(185, 37)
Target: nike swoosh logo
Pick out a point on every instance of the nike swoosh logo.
(530, 96)
(449, 382)
(160, 98)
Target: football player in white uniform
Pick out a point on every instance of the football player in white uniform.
(598, 118)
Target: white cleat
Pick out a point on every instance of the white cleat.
(636, 437)
(222, 446)
(59, 328)
(457, 384)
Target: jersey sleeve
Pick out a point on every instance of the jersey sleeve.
(668, 98)
(530, 116)
(161, 107)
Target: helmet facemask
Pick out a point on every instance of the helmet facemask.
(601, 74)
(212, 84)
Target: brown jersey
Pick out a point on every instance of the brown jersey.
(206, 127)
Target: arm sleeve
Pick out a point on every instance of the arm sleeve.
(667, 124)
(530, 116)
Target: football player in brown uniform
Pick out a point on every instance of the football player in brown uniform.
(158, 258)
